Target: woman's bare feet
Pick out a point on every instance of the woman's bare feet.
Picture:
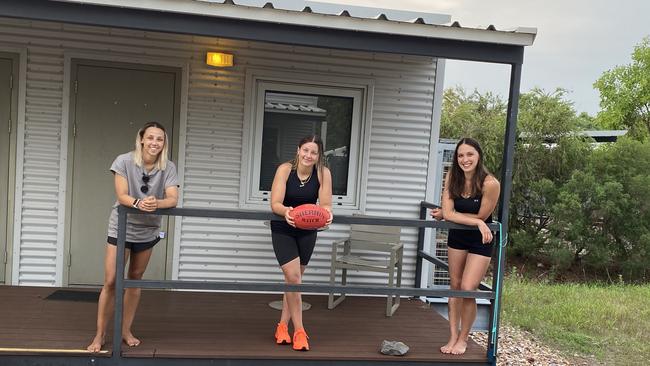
(459, 348)
(447, 347)
(96, 345)
(130, 340)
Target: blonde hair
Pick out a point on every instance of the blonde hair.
(161, 160)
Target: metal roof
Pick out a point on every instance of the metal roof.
(604, 133)
(300, 108)
(597, 135)
(354, 11)
(293, 103)
(332, 16)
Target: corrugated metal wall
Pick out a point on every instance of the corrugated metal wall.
(38, 226)
(217, 249)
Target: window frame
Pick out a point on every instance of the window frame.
(258, 82)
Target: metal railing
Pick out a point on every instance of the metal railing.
(121, 283)
(497, 275)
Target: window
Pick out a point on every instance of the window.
(282, 112)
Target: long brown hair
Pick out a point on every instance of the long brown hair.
(457, 176)
(321, 158)
(161, 160)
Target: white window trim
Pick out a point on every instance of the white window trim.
(262, 86)
(290, 81)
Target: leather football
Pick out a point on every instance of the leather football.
(310, 216)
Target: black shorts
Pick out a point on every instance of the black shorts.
(474, 248)
(135, 247)
(469, 240)
(289, 246)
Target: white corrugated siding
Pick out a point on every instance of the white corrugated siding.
(219, 249)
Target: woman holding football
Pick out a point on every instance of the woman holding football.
(302, 180)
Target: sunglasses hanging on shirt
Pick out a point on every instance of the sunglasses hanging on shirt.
(145, 187)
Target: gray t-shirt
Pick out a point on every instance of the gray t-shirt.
(141, 228)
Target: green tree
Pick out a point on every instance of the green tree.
(548, 152)
(476, 115)
(625, 94)
(587, 122)
(572, 205)
(602, 215)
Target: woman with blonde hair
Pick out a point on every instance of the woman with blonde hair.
(144, 179)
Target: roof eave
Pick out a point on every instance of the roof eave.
(519, 37)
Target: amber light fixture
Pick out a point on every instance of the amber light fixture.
(219, 59)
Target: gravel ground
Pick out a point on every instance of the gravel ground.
(518, 347)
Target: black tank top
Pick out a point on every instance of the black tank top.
(296, 194)
(467, 237)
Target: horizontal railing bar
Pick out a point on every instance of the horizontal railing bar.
(338, 219)
(483, 287)
(313, 288)
(435, 260)
(225, 360)
(428, 205)
(439, 262)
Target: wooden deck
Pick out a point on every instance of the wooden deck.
(191, 325)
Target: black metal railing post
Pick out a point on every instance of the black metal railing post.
(119, 283)
(418, 258)
(504, 212)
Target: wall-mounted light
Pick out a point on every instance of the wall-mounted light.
(219, 59)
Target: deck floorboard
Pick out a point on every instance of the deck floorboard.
(182, 324)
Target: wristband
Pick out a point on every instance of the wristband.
(136, 202)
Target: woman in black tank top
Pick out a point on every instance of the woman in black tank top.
(469, 198)
(303, 180)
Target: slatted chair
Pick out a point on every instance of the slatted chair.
(363, 251)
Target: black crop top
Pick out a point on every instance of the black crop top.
(467, 237)
(296, 194)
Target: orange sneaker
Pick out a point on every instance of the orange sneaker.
(282, 334)
(300, 340)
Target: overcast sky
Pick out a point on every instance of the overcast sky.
(577, 40)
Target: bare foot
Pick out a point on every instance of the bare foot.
(447, 347)
(97, 343)
(130, 340)
(459, 348)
